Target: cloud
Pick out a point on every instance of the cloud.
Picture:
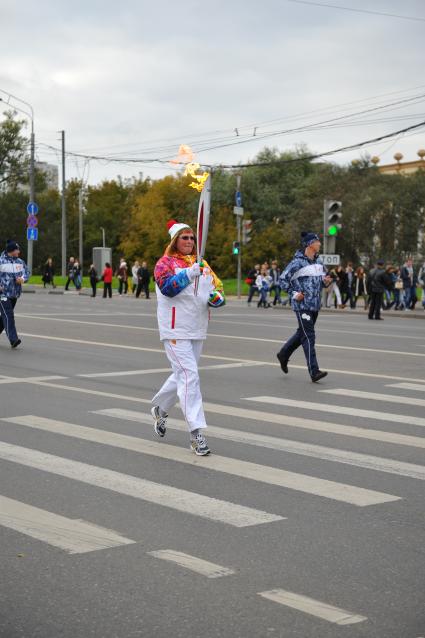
(132, 75)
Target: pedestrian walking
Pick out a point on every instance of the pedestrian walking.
(376, 285)
(122, 274)
(134, 279)
(409, 284)
(183, 321)
(275, 273)
(304, 278)
(71, 273)
(250, 280)
(13, 273)
(107, 280)
(421, 282)
(360, 287)
(48, 273)
(263, 282)
(93, 279)
(144, 278)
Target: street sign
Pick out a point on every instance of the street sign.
(32, 221)
(238, 210)
(330, 260)
(32, 208)
(32, 234)
(238, 198)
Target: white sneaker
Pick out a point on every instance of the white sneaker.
(199, 445)
(160, 421)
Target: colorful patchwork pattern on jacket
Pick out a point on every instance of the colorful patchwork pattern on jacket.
(171, 283)
(12, 268)
(304, 275)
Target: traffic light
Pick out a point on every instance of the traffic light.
(333, 217)
(236, 248)
(246, 231)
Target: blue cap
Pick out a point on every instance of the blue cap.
(308, 238)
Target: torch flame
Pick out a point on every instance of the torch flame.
(185, 156)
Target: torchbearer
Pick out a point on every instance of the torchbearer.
(303, 278)
(183, 321)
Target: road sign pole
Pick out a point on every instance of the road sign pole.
(238, 226)
(32, 196)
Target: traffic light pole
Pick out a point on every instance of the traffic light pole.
(325, 232)
(238, 226)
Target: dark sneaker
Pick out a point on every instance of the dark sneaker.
(16, 343)
(319, 375)
(283, 363)
(199, 445)
(159, 421)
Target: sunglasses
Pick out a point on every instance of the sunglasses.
(187, 237)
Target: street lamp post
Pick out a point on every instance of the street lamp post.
(103, 236)
(32, 153)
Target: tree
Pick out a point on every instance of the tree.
(13, 151)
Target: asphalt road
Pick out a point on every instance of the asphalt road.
(307, 519)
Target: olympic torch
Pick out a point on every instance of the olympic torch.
(202, 224)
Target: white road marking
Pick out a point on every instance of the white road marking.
(73, 535)
(233, 337)
(391, 466)
(338, 409)
(316, 425)
(198, 565)
(261, 473)
(274, 364)
(5, 380)
(164, 495)
(126, 373)
(312, 607)
(376, 396)
(408, 386)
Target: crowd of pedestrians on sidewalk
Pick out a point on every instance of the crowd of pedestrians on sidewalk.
(383, 287)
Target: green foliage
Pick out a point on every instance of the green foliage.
(283, 195)
(13, 151)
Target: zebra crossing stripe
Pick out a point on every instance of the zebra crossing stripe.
(313, 607)
(339, 409)
(367, 461)
(315, 425)
(376, 396)
(408, 386)
(198, 565)
(262, 473)
(72, 535)
(165, 495)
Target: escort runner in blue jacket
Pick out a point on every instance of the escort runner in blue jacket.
(13, 273)
(303, 279)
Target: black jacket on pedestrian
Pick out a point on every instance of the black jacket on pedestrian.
(143, 275)
(376, 280)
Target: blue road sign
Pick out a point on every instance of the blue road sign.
(32, 208)
(238, 198)
(32, 221)
(32, 234)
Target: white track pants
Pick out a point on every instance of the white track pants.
(183, 384)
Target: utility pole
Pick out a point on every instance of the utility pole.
(63, 208)
(80, 226)
(238, 227)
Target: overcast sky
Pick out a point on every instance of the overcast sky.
(138, 78)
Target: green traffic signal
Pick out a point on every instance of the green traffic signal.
(236, 247)
(332, 231)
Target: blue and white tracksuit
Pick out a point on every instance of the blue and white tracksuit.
(304, 275)
(11, 268)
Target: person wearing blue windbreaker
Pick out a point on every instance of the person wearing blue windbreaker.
(13, 273)
(303, 279)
